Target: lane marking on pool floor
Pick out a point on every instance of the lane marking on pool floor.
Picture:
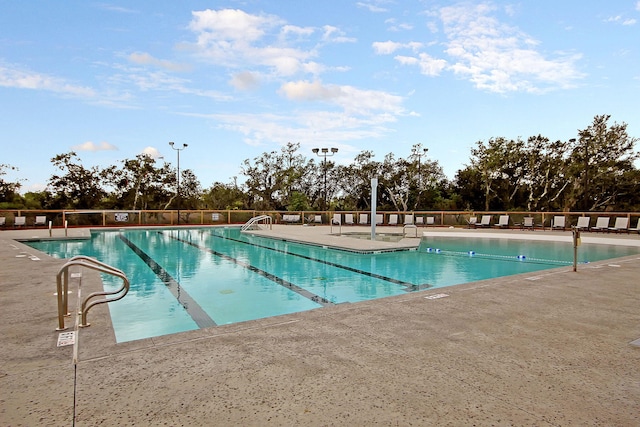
(197, 313)
(295, 288)
(409, 287)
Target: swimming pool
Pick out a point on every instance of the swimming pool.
(185, 279)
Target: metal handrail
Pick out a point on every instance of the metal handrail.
(62, 283)
(256, 219)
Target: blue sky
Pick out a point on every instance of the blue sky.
(235, 79)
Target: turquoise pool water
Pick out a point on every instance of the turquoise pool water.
(185, 279)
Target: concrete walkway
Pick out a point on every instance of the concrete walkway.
(551, 348)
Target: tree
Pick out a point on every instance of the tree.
(76, 187)
(225, 196)
(9, 196)
(600, 158)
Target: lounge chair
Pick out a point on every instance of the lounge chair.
(621, 224)
(558, 222)
(485, 221)
(20, 221)
(3, 221)
(431, 220)
(40, 220)
(503, 221)
(363, 219)
(337, 219)
(527, 223)
(602, 224)
(408, 219)
(472, 222)
(316, 219)
(379, 219)
(419, 220)
(393, 219)
(637, 229)
(348, 219)
(583, 223)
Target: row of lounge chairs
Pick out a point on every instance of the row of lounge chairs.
(558, 222)
(363, 219)
(21, 221)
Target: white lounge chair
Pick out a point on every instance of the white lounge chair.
(527, 223)
(485, 221)
(637, 229)
(503, 221)
(348, 219)
(408, 219)
(602, 224)
(583, 223)
(19, 221)
(419, 220)
(431, 220)
(40, 220)
(317, 219)
(558, 222)
(472, 222)
(393, 219)
(337, 219)
(379, 219)
(621, 224)
(363, 219)
(3, 221)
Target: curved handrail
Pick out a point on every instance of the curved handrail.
(256, 219)
(91, 263)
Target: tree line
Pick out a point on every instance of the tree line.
(594, 172)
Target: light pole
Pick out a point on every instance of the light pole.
(324, 152)
(419, 151)
(172, 144)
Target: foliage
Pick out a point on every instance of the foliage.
(595, 172)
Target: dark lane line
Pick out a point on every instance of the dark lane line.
(409, 287)
(280, 281)
(197, 313)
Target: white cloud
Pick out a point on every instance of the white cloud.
(143, 58)
(335, 35)
(152, 152)
(630, 21)
(351, 99)
(11, 76)
(500, 58)
(638, 6)
(371, 7)
(92, 146)
(235, 39)
(388, 47)
(245, 80)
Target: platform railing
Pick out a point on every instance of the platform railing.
(257, 220)
(62, 284)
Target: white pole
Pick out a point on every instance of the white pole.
(65, 228)
(374, 202)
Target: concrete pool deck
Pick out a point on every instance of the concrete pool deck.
(551, 348)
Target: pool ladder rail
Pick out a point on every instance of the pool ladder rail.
(62, 283)
(265, 219)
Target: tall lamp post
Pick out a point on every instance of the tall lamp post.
(324, 152)
(419, 151)
(178, 150)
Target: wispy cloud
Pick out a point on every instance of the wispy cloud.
(371, 7)
(16, 77)
(142, 58)
(493, 55)
(498, 57)
(235, 39)
(92, 146)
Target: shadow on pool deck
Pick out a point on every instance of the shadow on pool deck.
(551, 348)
